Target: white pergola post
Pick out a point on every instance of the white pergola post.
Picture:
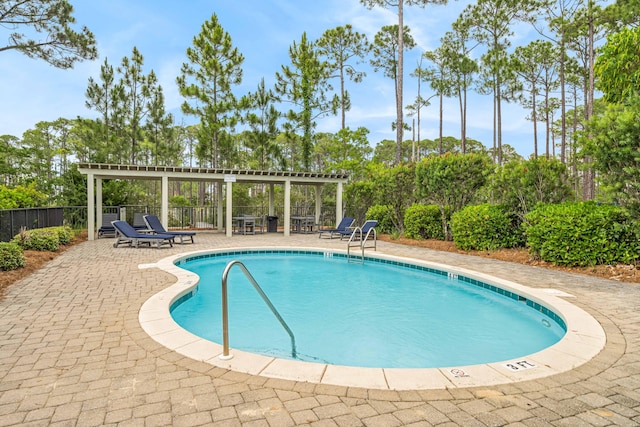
(339, 203)
(164, 204)
(287, 208)
(91, 209)
(99, 203)
(229, 203)
(318, 203)
(219, 207)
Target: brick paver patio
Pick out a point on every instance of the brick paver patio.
(72, 352)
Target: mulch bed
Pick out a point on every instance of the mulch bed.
(622, 273)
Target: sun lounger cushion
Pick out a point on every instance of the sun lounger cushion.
(153, 223)
(125, 233)
(344, 225)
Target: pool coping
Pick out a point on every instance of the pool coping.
(584, 339)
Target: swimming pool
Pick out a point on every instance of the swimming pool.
(376, 314)
(583, 340)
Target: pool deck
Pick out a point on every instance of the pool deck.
(73, 352)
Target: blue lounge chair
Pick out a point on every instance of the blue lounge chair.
(107, 229)
(153, 223)
(138, 221)
(125, 233)
(344, 225)
(359, 233)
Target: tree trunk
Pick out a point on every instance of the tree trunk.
(563, 96)
(499, 119)
(548, 125)
(588, 190)
(419, 108)
(534, 118)
(344, 120)
(463, 136)
(462, 142)
(399, 125)
(440, 148)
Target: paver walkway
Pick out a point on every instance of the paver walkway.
(73, 353)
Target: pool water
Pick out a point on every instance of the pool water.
(374, 314)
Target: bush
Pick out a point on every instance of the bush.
(486, 227)
(21, 197)
(65, 234)
(452, 180)
(11, 256)
(382, 214)
(522, 184)
(424, 222)
(41, 239)
(582, 233)
(358, 197)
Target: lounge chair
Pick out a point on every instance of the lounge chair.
(359, 233)
(153, 223)
(125, 233)
(138, 221)
(107, 229)
(344, 225)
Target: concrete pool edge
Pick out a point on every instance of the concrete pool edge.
(584, 339)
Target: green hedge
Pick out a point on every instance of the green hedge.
(44, 239)
(582, 233)
(65, 234)
(11, 256)
(40, 239)
(382, 214)
(486, 227)
(424, 222)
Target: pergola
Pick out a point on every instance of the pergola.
(97, 172)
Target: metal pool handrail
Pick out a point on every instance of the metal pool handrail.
(225, 312)
(357, 239)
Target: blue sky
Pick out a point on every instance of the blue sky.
(32, 91)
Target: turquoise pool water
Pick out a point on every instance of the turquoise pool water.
(377, 314)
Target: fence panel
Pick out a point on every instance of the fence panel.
(198, 217)
(13, 220)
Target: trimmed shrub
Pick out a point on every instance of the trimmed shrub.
(452, 180)
(424, 222)
(382, 214)
(11, 256)
(522, 184)
(65, 234)
(486, 227)
(582, 234)
(40, 239)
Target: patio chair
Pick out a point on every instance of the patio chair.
(260, 223)
(125, 233)
(153, 223)
(360, 233)
(107, 229)
(345, 224)
(138, 221)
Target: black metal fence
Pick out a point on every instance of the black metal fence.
(14, 220)
(199, 217)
